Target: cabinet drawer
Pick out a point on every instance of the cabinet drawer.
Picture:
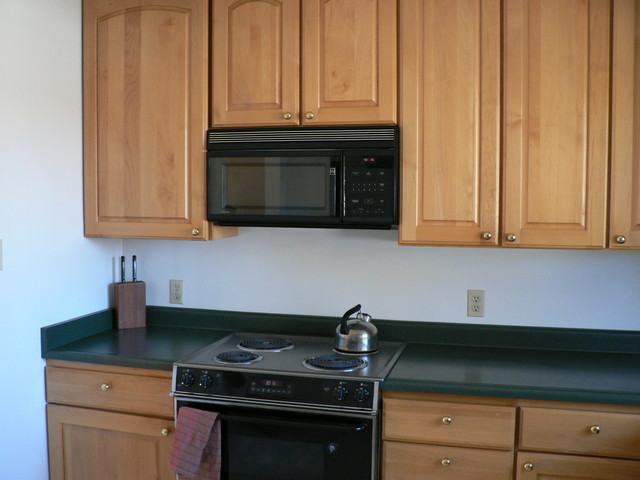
(449, 423)
(409, 461)
(545, 466)
(111, 391)
(577, 431)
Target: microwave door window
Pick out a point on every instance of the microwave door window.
(283, 186)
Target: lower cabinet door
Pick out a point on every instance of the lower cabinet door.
(411, 461)
(86, 444)
(543, 466)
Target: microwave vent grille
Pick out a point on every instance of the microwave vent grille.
(303, 135)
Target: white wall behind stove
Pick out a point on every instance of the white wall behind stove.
(50, 271)
(324, 272)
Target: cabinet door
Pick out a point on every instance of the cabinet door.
(450, 120)
(625, 140)
(256, 62)
(349, 61)
(145, 97)
(556, 122)
(544, 466)
(93, 444)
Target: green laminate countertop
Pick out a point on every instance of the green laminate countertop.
(579, 365)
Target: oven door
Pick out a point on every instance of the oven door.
(274, 188)
(267, 444)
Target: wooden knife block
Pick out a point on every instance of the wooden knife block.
(131, 304)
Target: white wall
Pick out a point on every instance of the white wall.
(50, 271)
(325, 272)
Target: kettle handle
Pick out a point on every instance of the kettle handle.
(344, 329)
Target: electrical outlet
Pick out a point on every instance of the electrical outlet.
(475, 303)
(176, 291)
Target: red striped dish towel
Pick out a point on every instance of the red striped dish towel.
(195, 453)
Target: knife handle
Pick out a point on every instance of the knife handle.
(122, 269)
(135, 267)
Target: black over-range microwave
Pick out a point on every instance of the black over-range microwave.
(341, 177)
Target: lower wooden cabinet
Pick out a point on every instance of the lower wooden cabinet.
(108, 423)
(99, 445)
(448, 437)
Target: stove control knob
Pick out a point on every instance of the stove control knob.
(340, 393)
(186, 380)
(362, 394)
(205, 381)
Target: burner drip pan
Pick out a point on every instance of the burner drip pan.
(237, 358)
(335, 363)
(265, 344)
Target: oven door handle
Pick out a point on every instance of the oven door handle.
(357, 427)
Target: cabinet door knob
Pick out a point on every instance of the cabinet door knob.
(595, 429)
(487, 236)
(621, 239)
(447, 420)
(165, 432)
(195, 232)
(528, 467)
(511, 237)
(446, 462)
(287, 116)
(309, 115)
(105, 386)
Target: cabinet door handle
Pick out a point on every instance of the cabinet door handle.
(528, 466)
(487, 235)
(287, 116)
(309, 115)
(105, 386)
(165, 432)
(511, 237)
(621, 239)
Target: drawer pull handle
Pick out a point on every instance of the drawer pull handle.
(447, 420)
(528, 467)
(595, 429)
(105, 386)
(165, 432)
(446, 462)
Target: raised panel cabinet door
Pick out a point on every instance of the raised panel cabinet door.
(256, 62)
(624, 231)
(546, 466)
(556, 98)
(349, 61)
(145, 98)
(97, 445)
(450, 121)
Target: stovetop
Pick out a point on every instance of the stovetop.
(289, 354)
(293, 372)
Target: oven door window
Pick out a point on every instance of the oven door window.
(302, 184)
(288, 446)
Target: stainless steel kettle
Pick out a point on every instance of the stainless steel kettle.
(356, 335)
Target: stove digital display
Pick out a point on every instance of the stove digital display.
(271, 387)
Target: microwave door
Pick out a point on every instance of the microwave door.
(274, 188)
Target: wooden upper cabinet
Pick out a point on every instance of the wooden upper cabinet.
(255, 62)
(450, 121)
(145, 106)
(556, 101)
(293, 62)
(624, 229)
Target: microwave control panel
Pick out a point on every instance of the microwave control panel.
(370, 188)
